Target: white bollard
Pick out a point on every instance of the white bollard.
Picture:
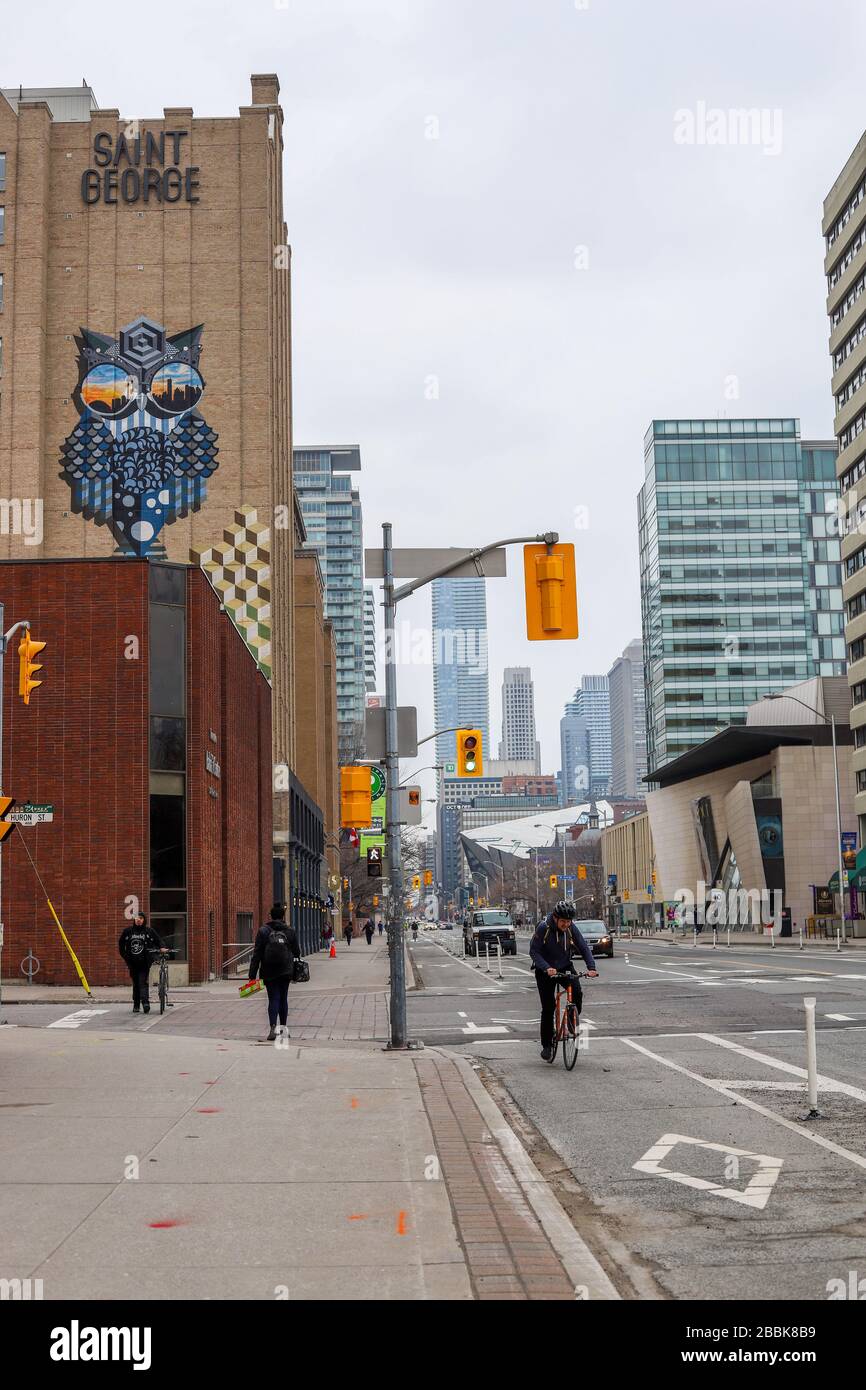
(811, 1055)
(729, 936)
(838, 939)
(772, 938)
(801, 938)
(487, 949)
(695, 937)
(499, 955)
(714, 938)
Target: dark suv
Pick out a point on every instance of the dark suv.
(485, 928)
(596, 933)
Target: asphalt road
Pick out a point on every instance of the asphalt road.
(680, 1142)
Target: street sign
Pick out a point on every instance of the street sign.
(374, 862)
(414, 564)
(377, 783)
(407, 733)
(30, 814)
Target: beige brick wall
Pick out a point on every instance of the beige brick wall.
(67, 266)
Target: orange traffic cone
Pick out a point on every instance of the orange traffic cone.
(332, 954)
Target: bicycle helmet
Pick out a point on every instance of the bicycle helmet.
(564, 909)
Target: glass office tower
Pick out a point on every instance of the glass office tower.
(331, 508)
(740, 572)
(461, 695)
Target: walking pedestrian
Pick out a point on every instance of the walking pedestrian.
(347, 933)
(381, 928)
(276, 947)
(368, 930)
(138, 945)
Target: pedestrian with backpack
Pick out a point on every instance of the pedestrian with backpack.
(274, 954)
(368, 930)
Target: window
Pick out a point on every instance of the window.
(2, 171)
(2, 225)
(1, 294)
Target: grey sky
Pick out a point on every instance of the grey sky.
(455, 257)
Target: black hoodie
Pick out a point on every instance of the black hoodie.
(138, 945)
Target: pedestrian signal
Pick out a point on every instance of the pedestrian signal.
(355, 797)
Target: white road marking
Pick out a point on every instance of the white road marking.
(840, 1018)
(461, 1015)
(489, 1028)
(720, 1087)
(75, 1020)
(756, 1192)
(853, 1091)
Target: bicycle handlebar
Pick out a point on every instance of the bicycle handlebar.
(569, 975)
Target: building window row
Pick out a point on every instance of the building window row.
(850, 299)
(855, 337)
(851, 386)
(855, 562)
(842, 265)
(850, 433)
(847, 212)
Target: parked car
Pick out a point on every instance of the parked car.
(597, 934)
(485, 928)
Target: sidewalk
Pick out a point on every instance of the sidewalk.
(163, 1167)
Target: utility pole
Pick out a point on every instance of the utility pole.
(4, 647)
(396, 945)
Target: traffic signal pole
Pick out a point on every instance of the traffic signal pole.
(4, 647)
(396, 944)
(390, 599)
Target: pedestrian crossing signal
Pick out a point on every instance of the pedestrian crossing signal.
(355, 797)
(551, 592)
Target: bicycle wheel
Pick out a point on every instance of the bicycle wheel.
(163, 989)
(570, 1036)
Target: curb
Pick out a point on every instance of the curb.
(581, 1266)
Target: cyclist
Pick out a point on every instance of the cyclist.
(555, 941)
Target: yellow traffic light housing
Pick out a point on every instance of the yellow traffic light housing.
(581, 871)
(27, 650)
(553, 881)
(356, 799)
(551, 592)
(469, 753)
(428, 877)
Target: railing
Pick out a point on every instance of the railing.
(242, 955)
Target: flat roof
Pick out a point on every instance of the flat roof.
(740, 744)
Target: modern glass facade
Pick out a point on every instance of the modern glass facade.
(584, 733)
(331, 509)
(461, 692)
(740, 572)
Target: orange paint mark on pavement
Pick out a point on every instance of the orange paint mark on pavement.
(209, 1110)
(401, 1223)
(355, 1102)
(358, 1216)
(165, 1225)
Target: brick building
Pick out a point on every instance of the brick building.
(145, 379)
(145, 402)
(151, 738)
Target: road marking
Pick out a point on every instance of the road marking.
(75, 1020)
(853, 1091)
(461, 1015)
(656, 970)
(756, 1192)
(476, 1028)
(840, 1018)
(720, 1087)
(850, 977)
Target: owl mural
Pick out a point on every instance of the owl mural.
(140, 454)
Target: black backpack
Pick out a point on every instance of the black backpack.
(278, 954)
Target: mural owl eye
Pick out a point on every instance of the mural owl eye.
(176, 388)
(108, 390)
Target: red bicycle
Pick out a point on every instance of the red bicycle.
(566, 1026)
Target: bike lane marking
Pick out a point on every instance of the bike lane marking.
(75, 1020)
(723, 1089)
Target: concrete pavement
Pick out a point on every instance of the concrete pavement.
(147, 1162)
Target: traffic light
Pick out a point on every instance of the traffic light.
(375, 900)
(27, 650)
(625, 896)
(469, 753)
(581, 871)
(356, 798)
(553, 881)
(428, 877)
(416, 881)
(6, 826)
(345, 884)
(654, 879)
(551, 592)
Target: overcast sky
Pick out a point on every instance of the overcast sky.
(457, 257)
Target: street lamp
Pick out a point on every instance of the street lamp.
(831, 720)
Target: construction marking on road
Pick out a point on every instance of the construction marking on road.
(757, 1191)
(75, 1020)
(719, 1087)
